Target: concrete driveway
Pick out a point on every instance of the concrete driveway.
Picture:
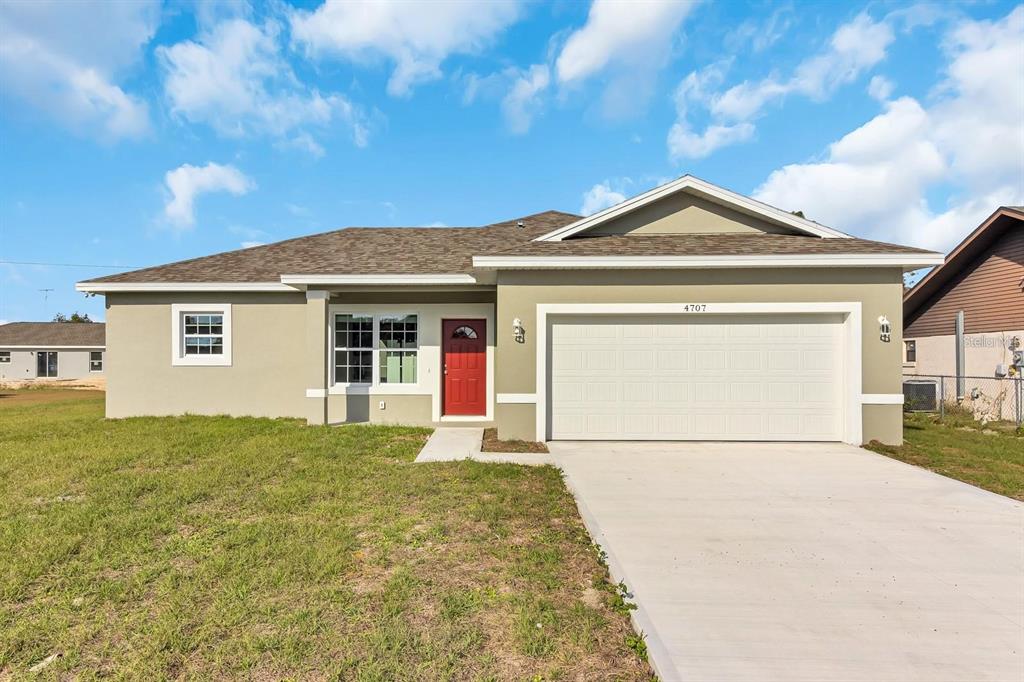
(806, 561)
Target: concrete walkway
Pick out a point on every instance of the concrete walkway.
(805, 561)
(450, 444)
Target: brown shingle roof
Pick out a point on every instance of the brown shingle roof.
(355, 250)
(432, 250)
(704, 245)
(44, 334)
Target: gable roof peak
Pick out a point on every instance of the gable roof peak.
(706, 190)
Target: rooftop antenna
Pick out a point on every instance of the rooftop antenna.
(46, 295)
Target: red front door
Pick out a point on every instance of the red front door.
(465, 367)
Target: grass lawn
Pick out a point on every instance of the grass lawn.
(990, 457)
(216, 547)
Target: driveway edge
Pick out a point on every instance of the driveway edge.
(657, 653)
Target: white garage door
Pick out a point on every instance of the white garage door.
(721, 377)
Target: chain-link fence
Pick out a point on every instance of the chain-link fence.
(987, 399)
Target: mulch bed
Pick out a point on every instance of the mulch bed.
(493, 444)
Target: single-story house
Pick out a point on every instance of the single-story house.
(51, 350)
(688, 312)
(983, 277)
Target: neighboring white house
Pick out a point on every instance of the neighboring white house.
(51, 350)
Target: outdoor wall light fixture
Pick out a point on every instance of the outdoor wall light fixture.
(517, 330)
(884, 329)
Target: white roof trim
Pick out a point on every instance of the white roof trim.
(715, 193)
(46, 346)
(112, 287)
(379, 279)
(915, 260)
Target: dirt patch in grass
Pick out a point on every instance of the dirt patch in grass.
(491, 443)
(218, 548)
(989, 456)
(46, 395)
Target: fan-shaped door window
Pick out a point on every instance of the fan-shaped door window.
(464, 332)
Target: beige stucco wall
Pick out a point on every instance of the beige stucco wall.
(280, 348)
(265, 378)
(71, 364)
(683, 213)
(272, 365)
(419, 403)
(982, 352)
(878, 290)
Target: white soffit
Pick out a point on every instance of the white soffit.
(703, 189)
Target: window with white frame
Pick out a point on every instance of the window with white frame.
(372, 349)
(202, 334)
(5, 356)
(399, 347)
(95, 361)
(353, 349)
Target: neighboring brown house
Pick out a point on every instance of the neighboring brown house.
(983, 277)
(686, 313)
(51, 350)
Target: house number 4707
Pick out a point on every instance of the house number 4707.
(695, 308)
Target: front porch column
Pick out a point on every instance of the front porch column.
(316, 365)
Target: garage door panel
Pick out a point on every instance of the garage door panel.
(740, 378)
(673, 360)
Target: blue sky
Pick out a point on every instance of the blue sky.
(137, 133)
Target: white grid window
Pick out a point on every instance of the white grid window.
(353, 349)
(95, 361)
(399, 347)
(204, 334)
(201, 334)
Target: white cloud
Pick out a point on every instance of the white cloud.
(684, 143)
(64, 58)
(875, 181)
(759, 36)
(630, 41)
(249, 245)
(416, 36)
(617, 30)
(880, 88)
(854, 48)
(522, 102)
(600, 197)
(520, 91)
(187, 182)
(235, 79)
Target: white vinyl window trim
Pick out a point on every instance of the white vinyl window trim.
(178, 355)
(349, 351)
(377, 350)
